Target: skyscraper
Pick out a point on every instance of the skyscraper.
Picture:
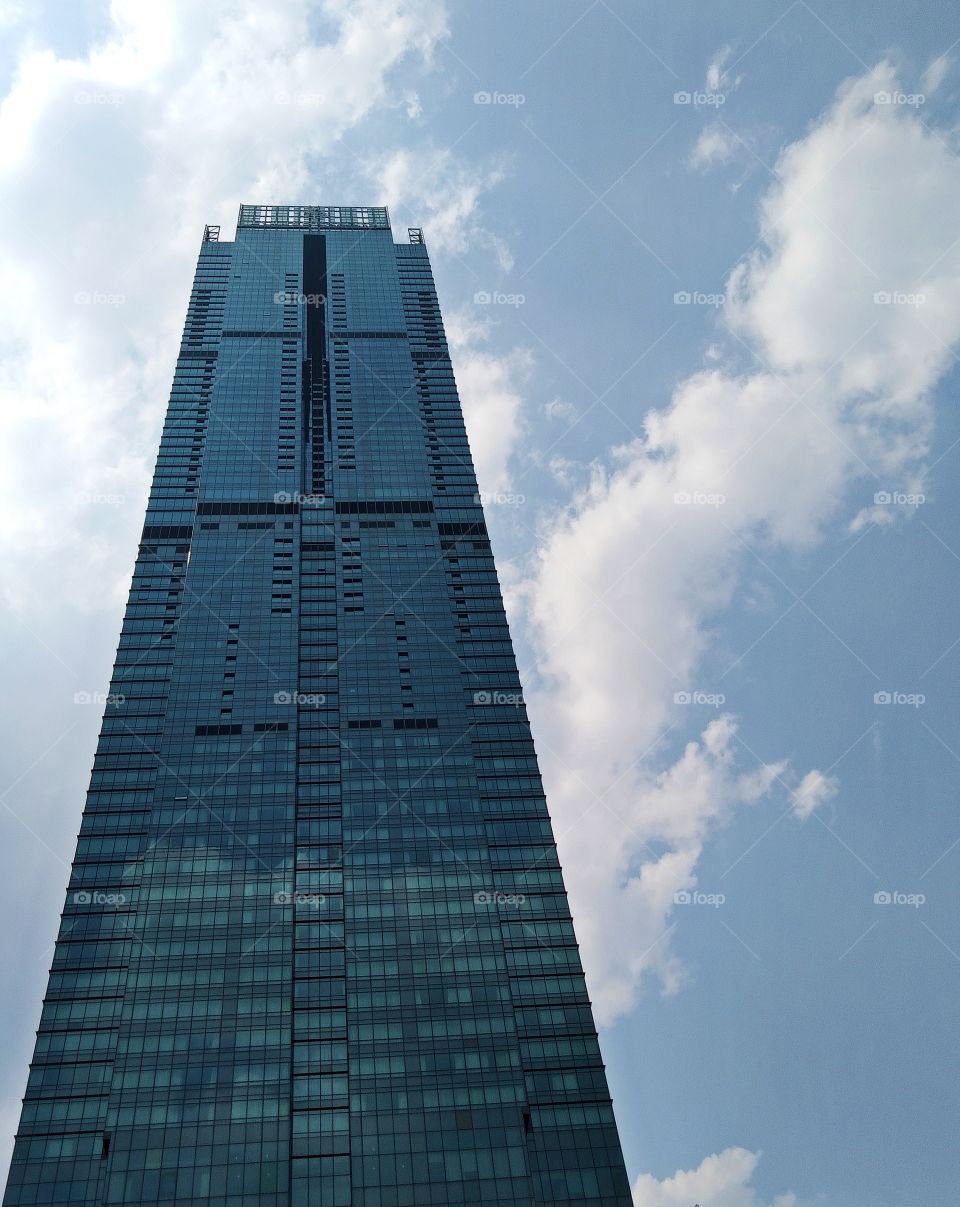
(316, 948)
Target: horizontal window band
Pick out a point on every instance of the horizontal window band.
(383, 506)
(275, 333)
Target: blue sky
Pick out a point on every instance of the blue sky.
(700, 267)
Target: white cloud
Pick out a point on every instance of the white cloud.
(716, 144)
(442, 194)
(489, 388)
(716, 73)
(807, 299)
(880, 516)
(559, 408)
(635, 882)
(814, 790)
(936, 72)
(721, 1180)
(413, 105)
(567, 472)
(12, 12)
(629, 581)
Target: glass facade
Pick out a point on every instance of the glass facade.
(316, 947)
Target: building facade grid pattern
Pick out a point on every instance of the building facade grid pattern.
(316, 947)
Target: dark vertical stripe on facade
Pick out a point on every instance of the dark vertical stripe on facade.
(316, 380)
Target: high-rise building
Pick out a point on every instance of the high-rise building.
(316, 948)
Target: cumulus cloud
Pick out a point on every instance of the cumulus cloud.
(490, 388)
(567, 472)
(716, 144)
(814, 790)
(830, 294)
(842, 365)
(560, 408)
(442, 193)
(721, 1180)
(716, 70)
(936, 73)
(413, 106)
